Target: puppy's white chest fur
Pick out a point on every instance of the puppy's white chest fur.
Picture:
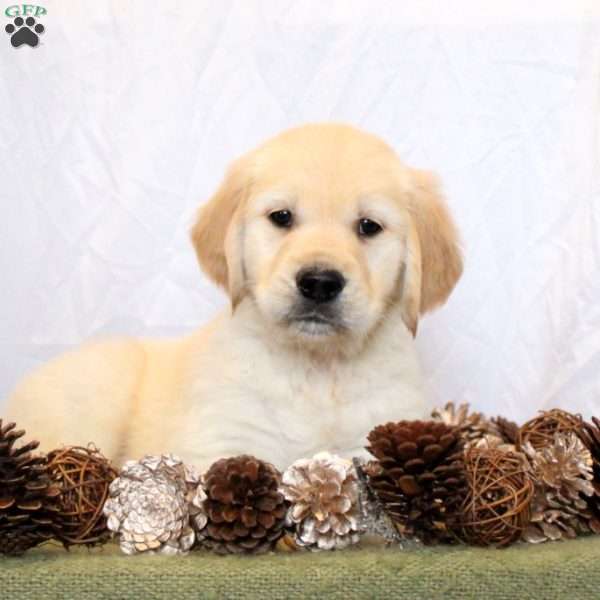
(249, 393)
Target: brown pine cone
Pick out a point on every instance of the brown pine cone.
(421, 479)
(28, 499)
(589, 434)
(508, 430)
(245, 510)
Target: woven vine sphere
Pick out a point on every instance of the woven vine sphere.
(540, 431)
(83, 475)
(497, 506)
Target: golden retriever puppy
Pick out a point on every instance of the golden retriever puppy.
(330, 249)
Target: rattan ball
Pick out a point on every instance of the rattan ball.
(83, 475)
(540, 431)
(497, 506)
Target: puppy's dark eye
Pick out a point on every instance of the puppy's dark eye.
(368, 228)
(281, 218)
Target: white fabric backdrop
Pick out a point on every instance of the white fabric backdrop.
(122, 121)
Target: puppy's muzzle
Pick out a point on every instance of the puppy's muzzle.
(320, 286)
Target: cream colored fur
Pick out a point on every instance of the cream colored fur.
(252, 380)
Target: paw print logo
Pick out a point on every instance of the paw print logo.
(24, 32)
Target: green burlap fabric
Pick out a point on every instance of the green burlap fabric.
(565, 570)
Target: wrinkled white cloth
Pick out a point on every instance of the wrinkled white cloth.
(122, 120)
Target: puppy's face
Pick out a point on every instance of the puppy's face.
(325, 230)
(322, 260)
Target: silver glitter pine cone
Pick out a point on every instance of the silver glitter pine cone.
(323, 493)
(151, 504)
(375, 523)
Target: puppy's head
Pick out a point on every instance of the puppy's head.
(325, 229)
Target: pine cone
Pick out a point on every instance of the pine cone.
(490, 441)
(246, 511)
(471, 426)
(28, 499)
(422, 479)
(589, 434)
(323, 492)
(150, 505)
(563, 476)
(508, 430)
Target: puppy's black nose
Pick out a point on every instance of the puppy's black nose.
(320, 286)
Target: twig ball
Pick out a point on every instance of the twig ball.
(541, 430)
(83, 476)
(497, 506)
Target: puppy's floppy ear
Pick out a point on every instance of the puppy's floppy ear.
(217, 233)
(434, 260)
